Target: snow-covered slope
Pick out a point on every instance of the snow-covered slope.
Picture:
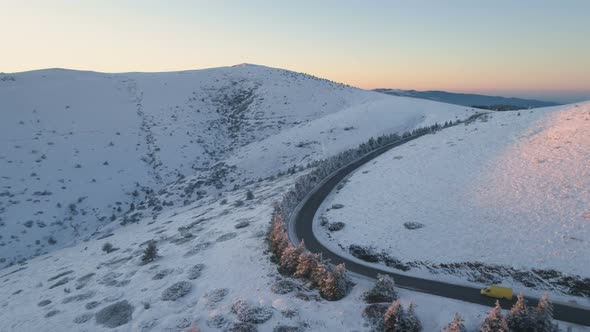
(79, 150)
(219, 250)
(511, 189)
(195, 157)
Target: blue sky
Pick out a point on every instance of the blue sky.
(526, 48)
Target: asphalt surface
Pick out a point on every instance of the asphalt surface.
(301, 229)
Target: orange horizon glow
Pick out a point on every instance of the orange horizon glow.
(426, 45)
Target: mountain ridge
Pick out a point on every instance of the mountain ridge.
(467, 99)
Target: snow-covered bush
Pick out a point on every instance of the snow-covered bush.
(368, 254)
(107, 247)
(283, 287)
(176, 291)
(383, 291)
(115, 315)
(250, 313)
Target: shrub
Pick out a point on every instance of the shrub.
(107, 247)
(115, 315)
(195, 271)
(150, 253)
(249, 313)
(176, 291)
(383, 291)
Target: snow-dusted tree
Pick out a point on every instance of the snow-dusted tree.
(319, 274)
(249, 195)
(150, 252)
(290, 258)
(306, 264)
(410, 321)
(393, 318)
(520, 319)
(279, 241)
(336, 284)
(383, 291)
(456, 325)
(494, 322)
(543, 316)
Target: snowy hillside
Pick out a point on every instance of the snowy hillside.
(509, 191)
(80, 150)
(196, 162)
(218, 253)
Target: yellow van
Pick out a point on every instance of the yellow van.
(497, 292)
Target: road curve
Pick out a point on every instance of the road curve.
(300, 228)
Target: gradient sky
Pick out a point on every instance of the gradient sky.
(530, 48)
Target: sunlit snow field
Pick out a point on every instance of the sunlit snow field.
(513, 189)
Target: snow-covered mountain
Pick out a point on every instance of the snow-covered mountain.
(468, 99)
(195, 161)
(81, 150)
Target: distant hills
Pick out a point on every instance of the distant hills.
(467, 99)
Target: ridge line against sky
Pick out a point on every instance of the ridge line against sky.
(531, 49)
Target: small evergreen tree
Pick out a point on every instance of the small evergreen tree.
(392, 320)
(249, 195)
(306, 263)
(494, 322)
(383, 291)
(279, 241)
(336, 284)
(290, 258)
(319, 274)
(410, 321)
(543, 315)
(150, 253)
(519, 318)
(456, 325)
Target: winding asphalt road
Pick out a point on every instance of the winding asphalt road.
(300, 227)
